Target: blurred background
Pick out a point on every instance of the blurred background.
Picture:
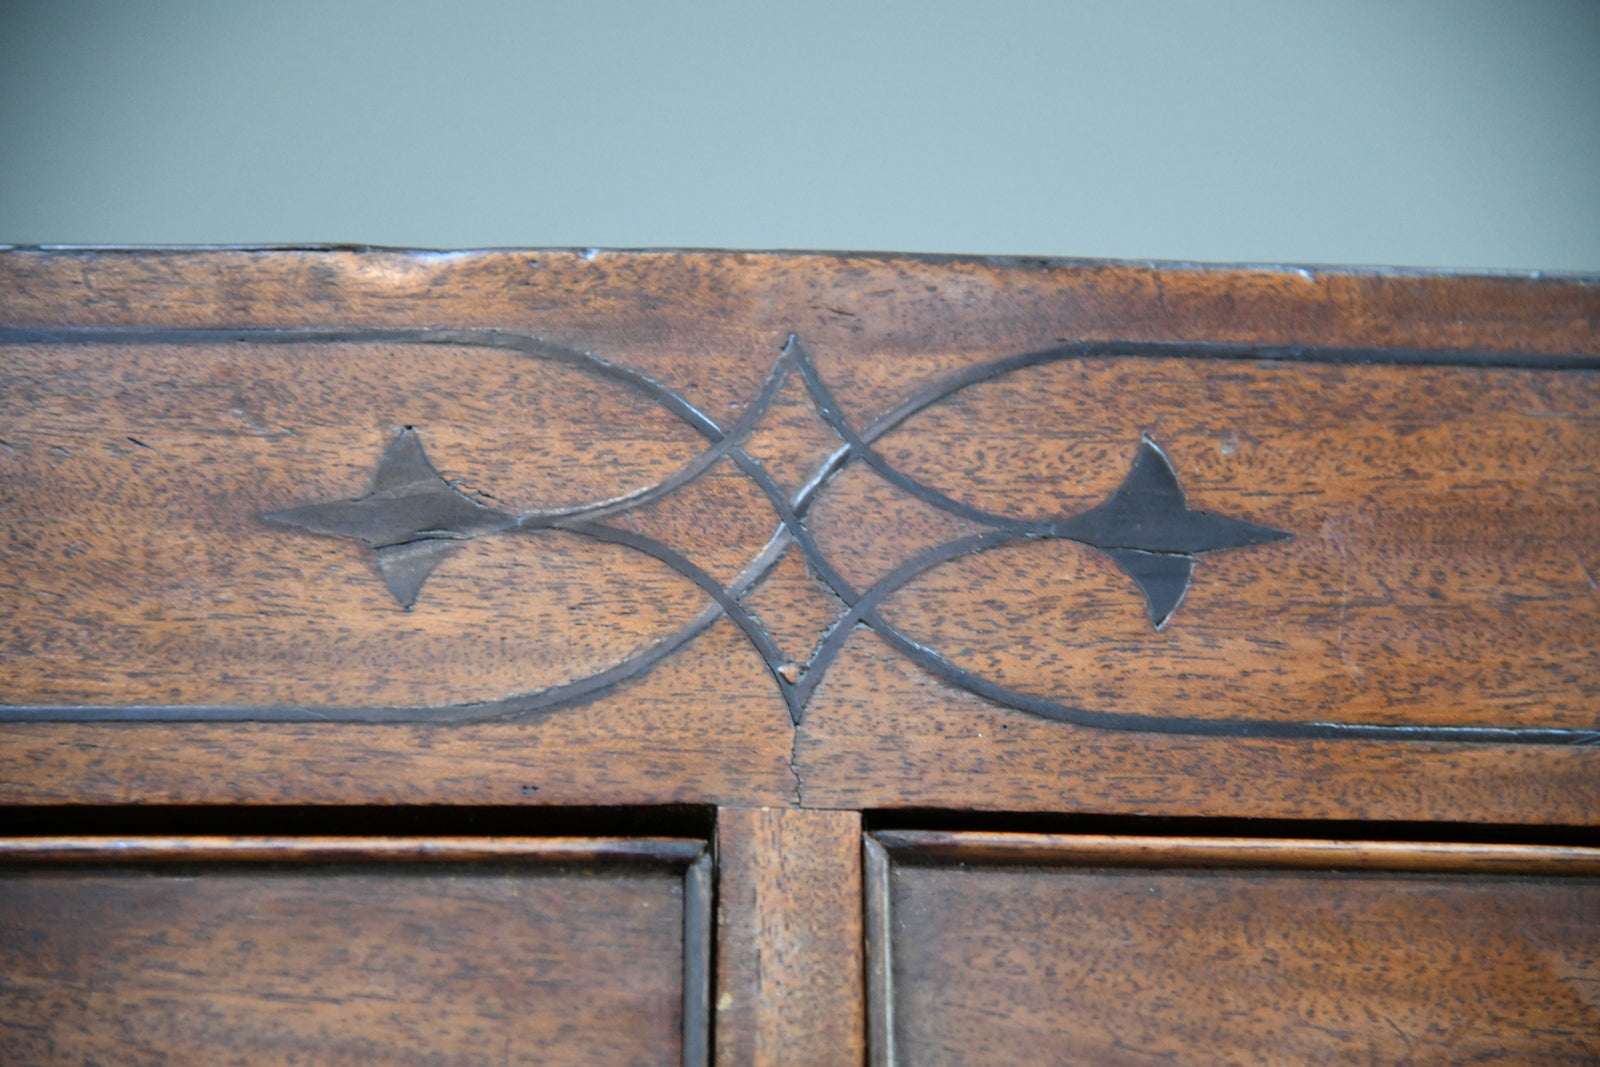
(1451, 133)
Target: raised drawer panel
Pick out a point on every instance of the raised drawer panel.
(189, 958)
(1039, 954)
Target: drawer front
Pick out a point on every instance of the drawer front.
(1072, 951)
(202, 952)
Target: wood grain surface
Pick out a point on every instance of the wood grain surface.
(242, 963)
(789, 978)
(1432, 444)
(1053, 963)
(201, 848)
(1127, 850)
(1445, 538)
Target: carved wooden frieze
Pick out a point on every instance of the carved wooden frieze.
(848, 531)
(414, 519)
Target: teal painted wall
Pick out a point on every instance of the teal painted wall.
(1449, 134)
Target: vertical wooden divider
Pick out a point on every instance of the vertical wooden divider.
(790, 984)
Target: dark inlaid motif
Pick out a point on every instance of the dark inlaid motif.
(1149, 530)
(413, 519)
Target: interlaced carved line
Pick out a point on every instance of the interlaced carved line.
(413, 519)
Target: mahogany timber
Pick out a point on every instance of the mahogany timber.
(1105, 850)
(1430, 442)
(789, 937)
(201, 848)
(351, 951)
(1102, 952)
(799, 537)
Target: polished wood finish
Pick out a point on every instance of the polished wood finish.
(346, 951)
(803, 539)
(1428, 442)
(1103, 954)
(878, 893)
(349, 849)
(1233, 852)
(789, 939)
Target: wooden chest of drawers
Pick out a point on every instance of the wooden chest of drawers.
(632, 657)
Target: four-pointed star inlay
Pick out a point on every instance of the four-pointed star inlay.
(413, 519)
(1148, 529)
